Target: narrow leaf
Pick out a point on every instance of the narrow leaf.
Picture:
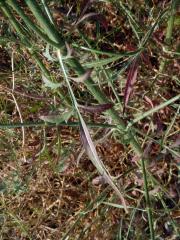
(85, 17)
(102, 62)
(96, 108)
(96, 16)
(131, 79)
(107, 53)
(85, 6)
(91, 151)
(69, 51)
(120, 206)
(148, 100)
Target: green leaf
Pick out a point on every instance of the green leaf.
(57, 118)
(50, 84)
(48, 55)
(101, 62)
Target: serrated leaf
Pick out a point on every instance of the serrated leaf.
(50, 84)
(48, 55)
(54, 118)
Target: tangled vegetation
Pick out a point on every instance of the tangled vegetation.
(89, 119)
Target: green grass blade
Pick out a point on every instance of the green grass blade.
(153, 110)
(45, 22)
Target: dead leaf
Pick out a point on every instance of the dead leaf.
(100, 180)
(131, 79)
(97, 108)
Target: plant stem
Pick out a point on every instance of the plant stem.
(170, 23)
(169, 32)
(42, 123)
(77, 67)
(54, 35)
(148, 202)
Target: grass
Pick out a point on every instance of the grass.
(45, 192)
